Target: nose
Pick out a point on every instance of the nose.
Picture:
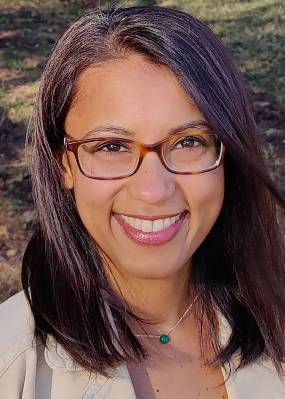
(152, 183)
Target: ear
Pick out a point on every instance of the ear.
(67, 174)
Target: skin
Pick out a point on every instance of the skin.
(147, 100)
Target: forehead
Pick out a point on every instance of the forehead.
(134, 93)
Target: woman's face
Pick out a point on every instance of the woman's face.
(146, 100)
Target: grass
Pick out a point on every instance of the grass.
(254, 33)
(252, 30)
(31, 3)
(9, 282)
(18, 60)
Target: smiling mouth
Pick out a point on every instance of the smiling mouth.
(151, 231)
(148, 226)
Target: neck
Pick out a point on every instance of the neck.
(159, 300)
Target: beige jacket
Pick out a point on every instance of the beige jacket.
(30, 371)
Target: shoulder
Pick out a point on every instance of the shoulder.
(256, 380)
(16, 331)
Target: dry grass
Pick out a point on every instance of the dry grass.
(9, 280)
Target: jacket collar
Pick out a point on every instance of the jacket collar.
(58, 359)
(82, 384)
(70, 381)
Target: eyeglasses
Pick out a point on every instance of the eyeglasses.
(106, 158)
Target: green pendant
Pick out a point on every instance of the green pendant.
(164, 339)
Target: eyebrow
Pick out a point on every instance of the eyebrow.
(110, 128)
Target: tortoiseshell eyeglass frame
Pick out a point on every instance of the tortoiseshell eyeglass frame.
(143, 149)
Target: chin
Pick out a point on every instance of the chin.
(151, 270)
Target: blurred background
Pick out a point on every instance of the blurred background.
(252, 30)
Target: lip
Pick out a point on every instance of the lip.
(151, 238)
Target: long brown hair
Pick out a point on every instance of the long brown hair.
(238, 269)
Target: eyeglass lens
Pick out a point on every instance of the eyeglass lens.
(111, 158)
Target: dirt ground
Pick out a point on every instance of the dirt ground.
(26, 39)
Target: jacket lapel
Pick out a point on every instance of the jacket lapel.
(71, 381)
(81, 385)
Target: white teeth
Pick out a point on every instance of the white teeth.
(131, 221)
(166, 223)
(157, 225)
(138, 224)
(148, 226)
(174, 218)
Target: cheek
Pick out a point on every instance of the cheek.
(94, 199)
(205, 195)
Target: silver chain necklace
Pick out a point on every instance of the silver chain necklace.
(164, 337)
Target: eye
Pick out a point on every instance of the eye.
(115, 146)
(106, 146)
(189, 142)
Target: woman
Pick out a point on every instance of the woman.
(156, 269)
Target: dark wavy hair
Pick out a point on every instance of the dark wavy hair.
(239, 268)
